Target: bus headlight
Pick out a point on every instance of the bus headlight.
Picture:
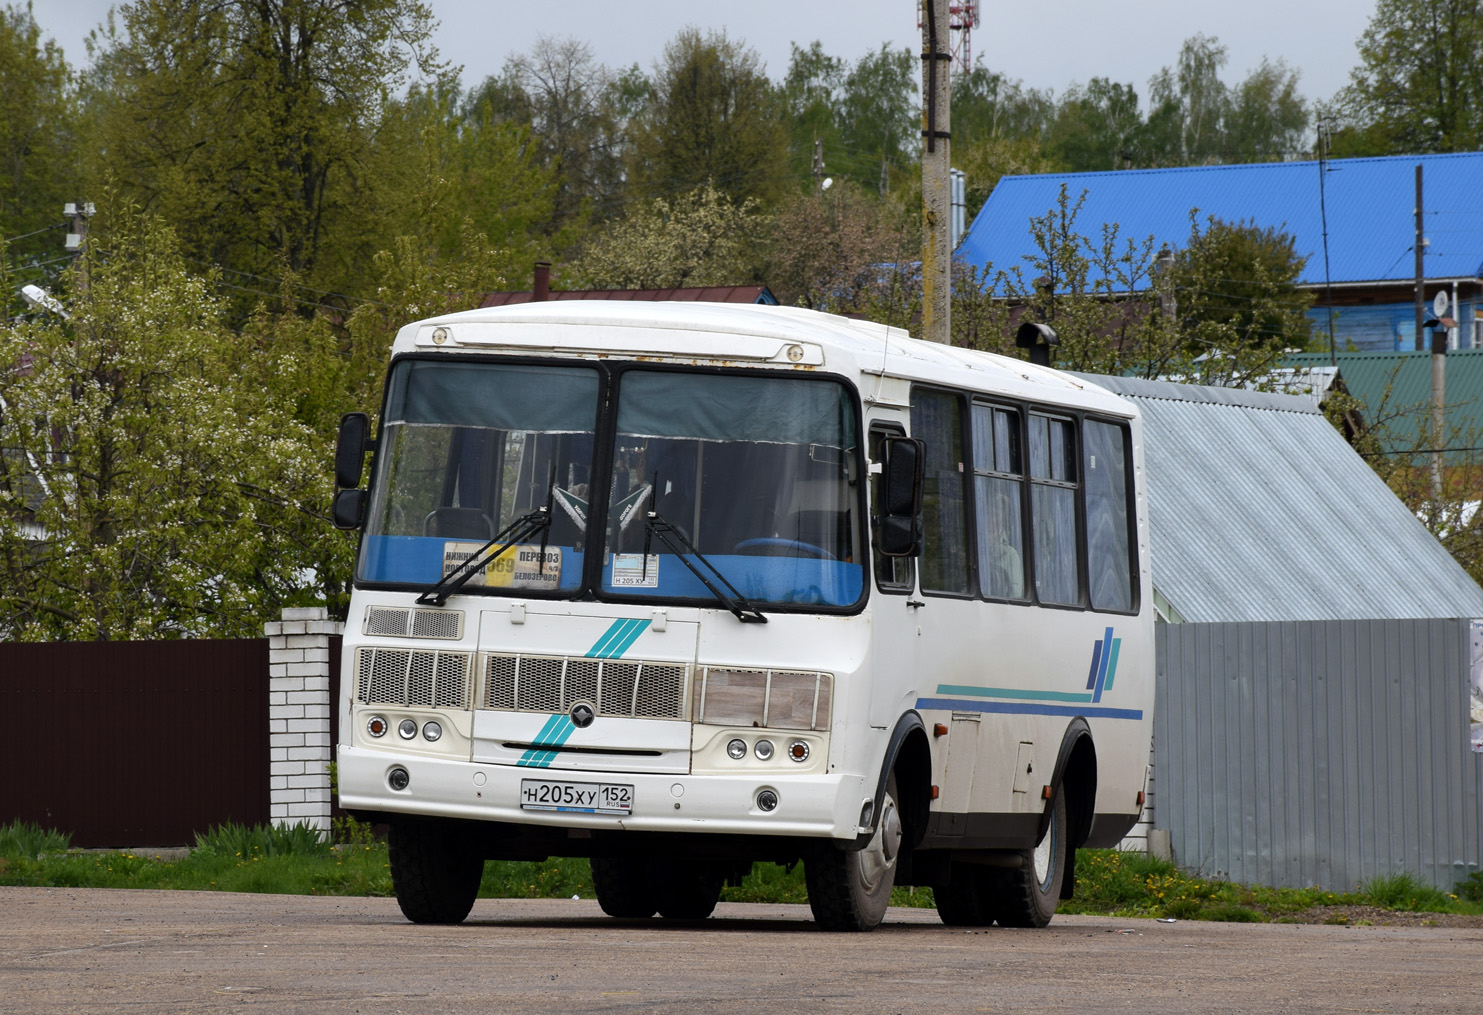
(431, 731)
(407, 729)
(763, 749)
(736, 750)
(377, 726)
(798, 750)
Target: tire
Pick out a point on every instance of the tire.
(435, 875)
(970, 897)
(850, 889)
(1027, 895)
(689, 891)
(624, 887)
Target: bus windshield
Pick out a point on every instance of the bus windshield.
(755, 473)
(746, 478)
(469, 448)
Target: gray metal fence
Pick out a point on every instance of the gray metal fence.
(1318, 753)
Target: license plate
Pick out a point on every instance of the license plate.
(576, 797)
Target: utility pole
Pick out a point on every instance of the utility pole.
(937, 254)
(818, 167)
(1420, 269)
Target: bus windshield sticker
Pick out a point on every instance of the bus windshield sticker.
(455, 553)
(633, 571)
(522, 567)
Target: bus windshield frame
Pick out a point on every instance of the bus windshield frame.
(687, 480)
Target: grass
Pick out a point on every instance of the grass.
(296, 861)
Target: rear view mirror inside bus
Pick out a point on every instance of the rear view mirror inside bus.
(901, 498)
(351, 448)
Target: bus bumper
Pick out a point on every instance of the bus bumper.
(809, 806)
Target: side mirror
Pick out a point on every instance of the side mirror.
(350, 508)
(900, 508)
(350, 449)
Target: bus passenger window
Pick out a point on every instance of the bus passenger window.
(998, 478)
(1110, 563)
(936, 418)
(1053, 509)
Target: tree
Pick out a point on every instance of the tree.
(146, 490)
(698, 238)
(1419, 85)
(248, 125)
(1266, 119)
(1189, 103)
(37, 141)
(880, 115)
(829, 249)
(1097, 127)
(986, 104)
(810, 95)
(712, 118)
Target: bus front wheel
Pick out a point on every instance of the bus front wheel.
(850, 889)
(435, 876)
(624, 887)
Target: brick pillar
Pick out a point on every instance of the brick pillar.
(299, 748)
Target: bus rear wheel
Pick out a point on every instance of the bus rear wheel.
(624, 887)
(850, 889)
(435, 876)
(1027, 895)
(970, 897)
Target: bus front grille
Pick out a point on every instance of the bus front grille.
(637, 690)
(394, 676)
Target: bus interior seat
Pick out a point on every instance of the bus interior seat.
(458, 523)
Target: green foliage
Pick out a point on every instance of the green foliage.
(1403, 890)
(259, 841)
(1419, 85)
(712, 120)
(1471, 887)
(25, 839)
(698, 238)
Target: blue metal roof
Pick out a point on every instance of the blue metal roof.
(1371, 212)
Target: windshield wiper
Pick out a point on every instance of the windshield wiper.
(655, 524)
(520, 529)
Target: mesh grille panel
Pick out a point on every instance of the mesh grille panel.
(581, 682)
(543, 684)
(499, 682)
(617, 687)
(661, 693)
(386, 676)
(386, 622)
(539, 685)
(389, 622)
(436, 623)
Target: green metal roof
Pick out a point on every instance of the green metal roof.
(1395, 388)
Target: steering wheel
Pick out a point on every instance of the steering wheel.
(767, 546)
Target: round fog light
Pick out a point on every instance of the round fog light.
(798, 750)
(407, 729)
(431, 731)
(398, 779)
(377, 726)
(767, 800)
(736, 750)
(764, 749)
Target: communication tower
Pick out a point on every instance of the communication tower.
(962, 19)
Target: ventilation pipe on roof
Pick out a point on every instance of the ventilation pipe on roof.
(1038, 338)
(541, 285)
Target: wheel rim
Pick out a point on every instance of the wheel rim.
(879, 856)
(1044, 851)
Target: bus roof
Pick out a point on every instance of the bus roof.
(728, 334)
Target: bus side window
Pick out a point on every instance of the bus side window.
(1053, 473)
(891, 573)
(998, 481)
(937, 419)
(1110, 563)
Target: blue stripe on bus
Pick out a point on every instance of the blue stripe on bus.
(1010, 692)
(1026, 708)
(617, 639)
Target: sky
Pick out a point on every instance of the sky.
(1050, 44)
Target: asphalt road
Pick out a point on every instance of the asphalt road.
(73, 950)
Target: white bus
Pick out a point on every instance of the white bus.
(680, 587)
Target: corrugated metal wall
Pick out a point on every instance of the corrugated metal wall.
(134, 743)
(1318, 753)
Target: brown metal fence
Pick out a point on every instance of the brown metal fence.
(134, 743)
